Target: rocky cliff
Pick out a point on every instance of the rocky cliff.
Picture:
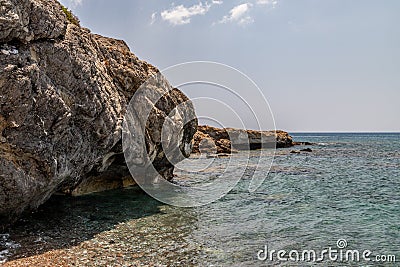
(215, 140)
(64, 92)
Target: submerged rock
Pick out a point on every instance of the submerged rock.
(226, 141)
(216, 156)
(64, 93)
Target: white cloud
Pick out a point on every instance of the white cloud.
(239, 14)
(271, 3)
(180, 15)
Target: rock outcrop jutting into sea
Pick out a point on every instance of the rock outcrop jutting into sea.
(216, 140)
(64, 92)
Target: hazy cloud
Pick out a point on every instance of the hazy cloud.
(75, 3)
(153, 18)
(239, 14)
(179, 15)
(271, 3)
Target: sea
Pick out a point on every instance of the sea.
(338, 205)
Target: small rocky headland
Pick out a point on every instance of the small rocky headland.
(64, 93)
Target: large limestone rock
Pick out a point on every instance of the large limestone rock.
(26, 21)
(64, 93)
(215, 140)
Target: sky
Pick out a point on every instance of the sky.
(323, 66)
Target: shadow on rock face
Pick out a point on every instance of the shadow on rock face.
(66, 221)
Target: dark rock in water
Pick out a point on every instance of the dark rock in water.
(224, 155)
(64, 93)
(302, 150)
(215, 140)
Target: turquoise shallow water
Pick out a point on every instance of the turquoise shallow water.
(347, 188)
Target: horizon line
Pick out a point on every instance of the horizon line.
(389, 132)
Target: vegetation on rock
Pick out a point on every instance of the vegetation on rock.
(70, 17)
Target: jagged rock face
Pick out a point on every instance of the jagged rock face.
(64, 92)
(25, 21)
(215, 140)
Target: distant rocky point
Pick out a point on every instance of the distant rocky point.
(229, 140)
